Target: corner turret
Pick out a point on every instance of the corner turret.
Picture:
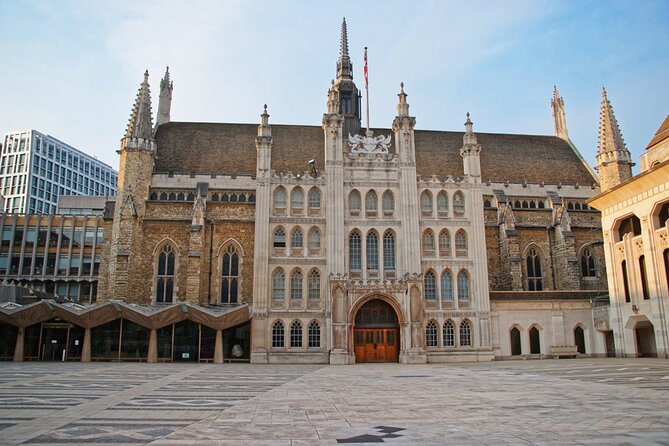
(614, 161)
(164, 100)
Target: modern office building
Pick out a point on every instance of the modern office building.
(35, 169)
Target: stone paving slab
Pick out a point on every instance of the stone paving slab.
(547, 402)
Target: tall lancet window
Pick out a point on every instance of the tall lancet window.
(388, 251)
(372, 251)
(230, 276)
(355, 251)
(534, 277)
(165, 275)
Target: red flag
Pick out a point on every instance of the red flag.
(365, 69)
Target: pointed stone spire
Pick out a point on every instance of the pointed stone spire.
(140, 124)
(264, 129)
(614, 161)
(344, 66)
(470, 152)
(402, 106)
(559, 116)
(165, 100)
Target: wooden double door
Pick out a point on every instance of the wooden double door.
(376, 333)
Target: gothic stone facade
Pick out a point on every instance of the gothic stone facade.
(351, 244)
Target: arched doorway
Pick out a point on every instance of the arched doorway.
(376, 333)
(644, 333)
(535, 342)
(579, 339)
(515, 342)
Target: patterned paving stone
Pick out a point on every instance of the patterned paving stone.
(588, 402)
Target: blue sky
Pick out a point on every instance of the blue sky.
(72, 68)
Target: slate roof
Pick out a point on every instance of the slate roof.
(209, 148)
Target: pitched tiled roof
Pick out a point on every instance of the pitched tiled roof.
(205, 148)
(661, 134)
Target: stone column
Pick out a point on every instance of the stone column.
(218, 347)
(18, 349)
(153, 346)
(86, 348)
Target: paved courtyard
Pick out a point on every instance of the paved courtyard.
(593, 402)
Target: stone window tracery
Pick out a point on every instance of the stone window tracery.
(314, 199)
(355, 251)
(431, 334)
(297, 199)
(535, 281)
(459, 203)
(449, 334)
(463, 285)
(430, 284)
(588, 268)
(165, 274)
(296, 238)
(372, 251)
(296, 284)
(371, 203)
(230, 275)
(279, 198)
(461, 243)
(279, 237)
(428, 242)
(465, 334)
(277, 334)
(389, 251)
(314, 285)
(314, 334)
(278, 284)
(444, 243)
(314, 241)
(426, 203)
(388, 202)
(354, 202)
(446, 285)
(442, 204)
(296, 334)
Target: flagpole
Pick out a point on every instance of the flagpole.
(366, 91)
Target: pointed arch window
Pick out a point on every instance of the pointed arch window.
(230, 276)
(296, 284)
(426, 203)
(279, 237)
(278, 284)
(296, 334)
(449, 334)
(461, 247)
(388, 251)
(430, 284)
(314, 285)
(444, 243)
(165, 274)
(277, 334)
(296, 238)
(535, 280)
(428, 242)
(371, 203)
(314, 241)
(388, 202)
(297, 199)
(465, 334)
(442, 204)
(446, 285)
(355, 251)
(588, 264)
(463, 285)
(372, 251)
(459, 203)
(314, 199)
(354, 202)
(314, 334)
(280, 198)
(431, 334)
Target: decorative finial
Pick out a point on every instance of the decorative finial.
(401, 87)
(265, 107)
(146, 75)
